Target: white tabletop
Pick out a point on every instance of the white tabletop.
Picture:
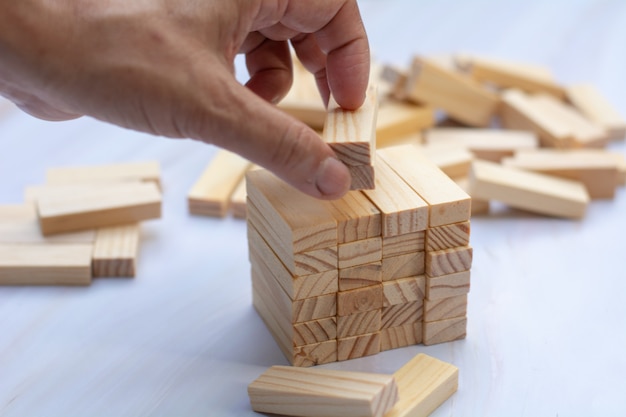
(547, 309)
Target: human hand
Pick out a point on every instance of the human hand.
(166, 67)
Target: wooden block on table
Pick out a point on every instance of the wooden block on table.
(358, 323)
(397, 120)
(360, 276)
(210, 195)
(360, 252)
(424, 383)
(322, 393)
(530, 191)
(591, 103)
(115, 251)
(445, 308)
(448, 261)
(37, 264)
(358, 346)
(441, 331)
(148, 171)
(405, 290)
(403, 266)
(449, 285)
(95, 207)
(448, 202)
(357, 217)
(402, 209)
(402, 314)
(404, 244)
(360, 300)
(460, 96)
(454, 161)
(315, 331)
(401, 336)
(478, 206)
(448, 236)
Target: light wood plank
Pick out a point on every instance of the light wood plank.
(404, 244)
(442, 331)
(149, 171)
(360, 252)
(357, 217)
(445, 308)
(358, 323)
(360, 300)
(405, 290)
(448, 261)
(454, 161)
(590, 102)
(358, 346)
(403, 266)
(402, 314)
(449, 285)
(400, 336)
(360, 276)
(397, 120)
(479, 207)
(115, 251)
(448, 236)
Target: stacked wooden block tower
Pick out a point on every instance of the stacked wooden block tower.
(376, 270)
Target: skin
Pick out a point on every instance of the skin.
(166, 67)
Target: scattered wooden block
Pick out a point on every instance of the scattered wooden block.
(398, 119)
(358, 323)
(403, 266)
(401, 336)
(322, 393)
(115, 251)
(210, 195)
(37, 264)
(530, 191)
(360, 276)
(449, 285)
(479, 206)
(590, 102)
(445, 308)
(102, 206)
(405, 290)
(148, 171)
(360, 300)
(454, 161)
(360, 252)
(357, 217)
(449, 236)
(238, 200)
(441, 331)
(448, 261)
(424, 383)
(315, 331)
(404, 244)
(358, 346)
(402, 314)
(395, 78)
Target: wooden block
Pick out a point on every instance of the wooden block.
(358, 323)
(322, 393)
(401, 336)
(360, 300)
(357, 217)
(454, 161)
(530, 191)
(303, 101)
(315, 331)
(360, 276)
(479, 206)
(148, 171)
(397, 120)
(210, 195)
(445, 308)
(361, 252)
(424, 383)
(403, 266)
(315, 354)
(461, 97)
(448, 285)
(402, 314)
(395, 78)
(363, 177)
(403, 210)
(358, 346)
(404, 244)
(95, 207)
(405, 290)
(115, 251)
(448, 261)
(448, 236)
(441, 331)
(591, 103)
(37, 264)
(238, 200)
(448, 202)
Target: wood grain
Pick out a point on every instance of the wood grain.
(360, 252)
(402, 314)
(115, 251)
(358, 346)
(448, 285)
(448, 236)
(403, 266)
(315, 331)
(358, 323)
(405, 290)
(445, 308)
(360, 276)
(404, 244)
(448, 261)
(360, 300)
(442, 331)
(400, 336)
(357, 217)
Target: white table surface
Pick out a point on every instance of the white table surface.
(547, 309)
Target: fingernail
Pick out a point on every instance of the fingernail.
(333, 178)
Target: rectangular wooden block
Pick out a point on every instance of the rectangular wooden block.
(360, 252)
(401, 336)
(530, 191)
(303, 101)
(403, 266)
(479, 207)
(148, 171)
(403, 210)
(322, 393)
(424, 383)
(398, 119)
(358, 323)
(238, 200)
(358, 346)
(102, 206)
(590, 102)
(357, 217)
(360, 300)
(315, 354)
(448, 202)
(448, 261)
(360, 276)
(402, 314)
(442, 331)
(37, 264)
(115, 251)
(363, 177)
(404, 244)
(449, 285)
(445, 308)
(315, 331)
(454, 161)
(405, 290)
(448, 236)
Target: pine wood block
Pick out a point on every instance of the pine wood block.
(398, 119)
(358, 346)
(299, 222)
(19, 224)
(403, 210)
(115, 251)
(357, 217)
(424, 383)
(454, 161)
(38, 264)
(322, 393)
(210, 195)
(361, 252)
(448, 202)
(315, 331)
(401, 336)
(448, 236)
(396, 78)
(591, 103)
(405, 290)
(148, 171)
(442, 331)
(448, 261)
(404, 244)
(479, 206)
(315, 354)
(303, 101)
(360, 300)
(403, 266)
(460, 96)
(530, 191)
(402, 314)
(360, 276)
(445, 308)
(122, 203)
(363, 177)
(449, 285)
(358, 323)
